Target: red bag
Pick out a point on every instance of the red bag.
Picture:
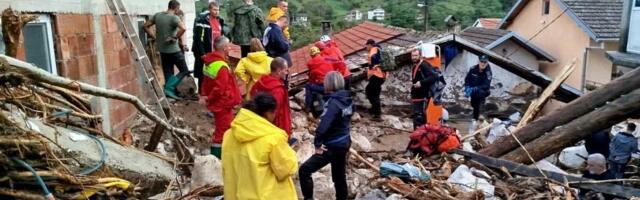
(430, 139)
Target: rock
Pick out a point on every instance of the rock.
(361, 99)
(207, 170)
(305, 151)
(356, 117)
(395, 197)
(299, 97)
(295, 106)
(360, 142)
(572, 157)
(299, 120)
(375, 194)
(393, 121)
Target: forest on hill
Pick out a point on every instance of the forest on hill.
(401, 13)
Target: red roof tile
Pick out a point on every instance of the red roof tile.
(350, 41)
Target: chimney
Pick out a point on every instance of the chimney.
(326, 28)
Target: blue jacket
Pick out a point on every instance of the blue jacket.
(275, 43)
(621, 148)
(477, 83)
(333, 130)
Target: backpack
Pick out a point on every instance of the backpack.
(430, 139)
(387, 60)
(437, 88)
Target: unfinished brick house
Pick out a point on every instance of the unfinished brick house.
(80, 40)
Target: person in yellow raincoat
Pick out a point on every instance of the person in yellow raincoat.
(276, 12)
(257, 162)
(251, 68)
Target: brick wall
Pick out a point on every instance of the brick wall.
(76, 59)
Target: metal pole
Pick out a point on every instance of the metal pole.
(425, 8)
(624, 25)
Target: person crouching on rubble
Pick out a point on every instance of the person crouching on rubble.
(330, 50)
(257, 162)
(273, 84)
(376, 78)
(219, 91)
(477, 85)
(597, 170)
(313, 90)
(332, 139)
(620, 149)
(422, 77)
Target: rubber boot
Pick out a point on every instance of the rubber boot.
(216, 151)
(170, 87)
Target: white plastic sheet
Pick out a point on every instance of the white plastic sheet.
(464, 179)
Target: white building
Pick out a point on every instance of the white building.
(353, 15)
(376, 14)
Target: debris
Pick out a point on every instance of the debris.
(12, 25)
(498, 130)
(573, 157)
(465, 179)
(207, 171)
(360, 142)
(406, 171)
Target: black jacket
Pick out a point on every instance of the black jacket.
(202, 34)
(274, 41)
(333, 130)
(479, 81)
(598, 143)
(426, 75)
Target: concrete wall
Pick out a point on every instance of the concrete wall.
(513, 51)
(98, 55)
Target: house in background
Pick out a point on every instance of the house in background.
(571, 29)
(491, 23)
(80, 40)
(376, 14)
(353, 15)
(300, 19)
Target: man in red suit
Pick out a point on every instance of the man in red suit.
(274, 84)
(219, 92)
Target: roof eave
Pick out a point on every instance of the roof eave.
(579, 22)
(517, 7)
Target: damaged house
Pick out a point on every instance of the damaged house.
(80, 40)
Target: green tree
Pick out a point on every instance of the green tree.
(401, 13)
(489, 8)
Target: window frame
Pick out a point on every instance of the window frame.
(47, 20)
(546, 7)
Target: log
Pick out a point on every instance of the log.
(537, 104)
(579, 107)
(571, 133)
(8, 64)
(579, 182)
(12, 24)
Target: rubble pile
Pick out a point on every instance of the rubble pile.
(35, 166)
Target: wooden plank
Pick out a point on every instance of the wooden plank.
(537, 104)
(606, 188)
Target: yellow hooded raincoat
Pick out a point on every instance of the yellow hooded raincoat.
(252, 67)
(257, 162)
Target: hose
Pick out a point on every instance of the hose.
(103, 157)
(45, 190)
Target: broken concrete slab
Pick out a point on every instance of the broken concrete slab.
(144, 169)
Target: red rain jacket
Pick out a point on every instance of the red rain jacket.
(275, 86)
(221, 88)
(319, 66)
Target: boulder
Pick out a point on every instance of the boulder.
(207, 170)
(360, 142)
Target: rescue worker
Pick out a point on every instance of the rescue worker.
(257, 162)
(248, 23)
(318, 67)
(254, 66)
(330, 50)
(477, 85)
(622, 146)
(276, 12)
(219, 91)
(376, 78)
(422, 77)
(273, 84)
(332, 139)
(207, 28)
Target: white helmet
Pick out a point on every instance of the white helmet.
(325, 38)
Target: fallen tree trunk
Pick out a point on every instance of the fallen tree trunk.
(567, 135)
(8, 64)
(579, 107)
(12, 24)
(579, 182)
